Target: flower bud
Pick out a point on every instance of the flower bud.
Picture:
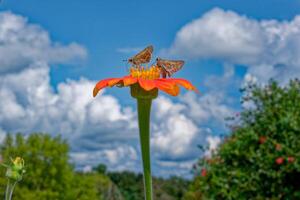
(16, 169)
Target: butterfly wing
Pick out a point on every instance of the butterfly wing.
(170, 66)
(142, 57)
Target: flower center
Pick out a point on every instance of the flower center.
(145, 73)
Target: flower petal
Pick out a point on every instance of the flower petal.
(114, 81)
(100, 85)
(184, 83)
(169, 87)
(129, 80)
(147, 84)
(104, 83)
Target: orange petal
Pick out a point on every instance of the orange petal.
(169, 87)
(184, 83)
(100, 85)
(114, 81)
(129, 80)
(147, 84)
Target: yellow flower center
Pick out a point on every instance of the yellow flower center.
(145, 73)
(18, 161)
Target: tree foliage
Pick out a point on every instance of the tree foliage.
(131, 186)
(49, 175)
(261, 158)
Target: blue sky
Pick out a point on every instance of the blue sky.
(225, 44)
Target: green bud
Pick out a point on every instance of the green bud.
(16, 170)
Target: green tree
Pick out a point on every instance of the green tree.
(261, 158)
(95, 186)
(129, 183)
(101, 169)
(49, 175)
(131, 186)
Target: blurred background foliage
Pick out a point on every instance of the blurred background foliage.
(258, 159)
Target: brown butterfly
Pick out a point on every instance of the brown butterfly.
(169, 67)
(142, 57)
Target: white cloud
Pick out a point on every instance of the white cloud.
(215, 104)
(174, 133)
(213, 143)
(28, 103)
(87, 169)
(120, 157)
(210, 106)
(220, 34)
(179, 127)
(269, 48)
(72, 111)
(2, 135)
(23, 44)
(98, 129)
(175, 168)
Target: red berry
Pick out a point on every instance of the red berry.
(291, 159)
(203, 172)
(279, 160)
(262, 139)
(278, 147)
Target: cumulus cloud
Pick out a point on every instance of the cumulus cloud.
(71, 111)
(174, 133)
(220, 34)
(2, 134)
(119, 158)
(22, 44)
(213, 143)
(98, 129)
(269, 48)
(180, 126)
(175, 168)
(215, 104)
(28, 102)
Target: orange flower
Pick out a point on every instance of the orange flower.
(148, 79)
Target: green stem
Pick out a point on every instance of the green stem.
(9, 189)
(144, 108)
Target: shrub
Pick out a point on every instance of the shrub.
(261, 157)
